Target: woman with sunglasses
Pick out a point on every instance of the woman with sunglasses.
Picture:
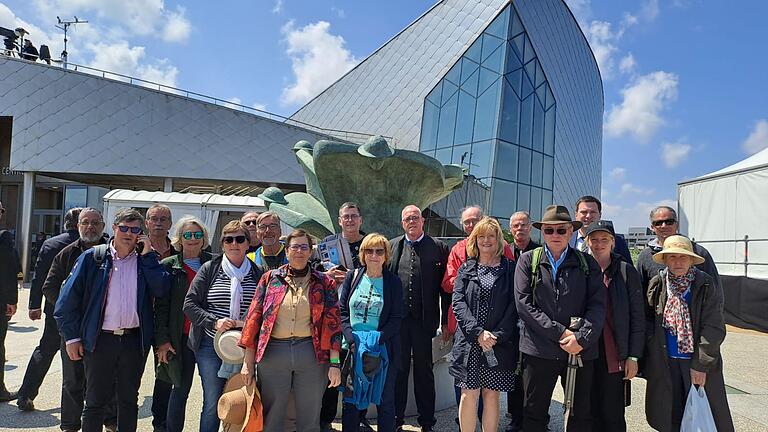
(218, 299)
(293, 333)
(176, 361)
(485, 348)
(370, 300)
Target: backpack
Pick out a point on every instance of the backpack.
(99, 252)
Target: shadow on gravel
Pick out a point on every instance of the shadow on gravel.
(12, 418)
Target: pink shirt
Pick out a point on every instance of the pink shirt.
(120, 310)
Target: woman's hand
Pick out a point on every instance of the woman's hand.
(630, 369)
(225, 324)
(162, 352)
(247, 372)
(698, 378)
(334, 376)
(486, 340)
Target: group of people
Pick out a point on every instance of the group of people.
(518, 313)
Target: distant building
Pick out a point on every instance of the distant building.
(639, 236)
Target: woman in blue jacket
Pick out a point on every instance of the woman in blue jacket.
(371, 300)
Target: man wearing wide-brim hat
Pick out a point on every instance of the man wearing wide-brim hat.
(553, 284)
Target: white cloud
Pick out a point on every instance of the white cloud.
(318, 59)
(582, 9)
(178, 28)
(124, 59)
(617, 174)
(758, 139)
(278, 7)
(37, 35)
(639, 113)
(259, 106)
(673, 154)
(628, 64)
(630, 189)
(650, 9)
(602, 41)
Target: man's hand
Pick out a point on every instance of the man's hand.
(10, 311)
(337, 274)
(146, 246)
(225, 324)
(162, 352)
(35, 314)
(446, 334)
(698, 378)
(630, 369)
(569, 344)
(486, 340)
(334, 376)
(75, 351)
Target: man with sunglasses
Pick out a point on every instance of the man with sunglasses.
(104, 313)
(10, 267)
(250, 219)
(588, 210)
(419, 260)
(664, 224)
(271, 254)
(554, 284)
(40, 360)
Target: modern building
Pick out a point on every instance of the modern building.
(508, 89)
(638, 237)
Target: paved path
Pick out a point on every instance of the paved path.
(745, 353)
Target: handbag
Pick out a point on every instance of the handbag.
(698, 415)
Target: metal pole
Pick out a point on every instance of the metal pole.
(746, 255)
(23, 238)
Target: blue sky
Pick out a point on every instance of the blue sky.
(685, 92)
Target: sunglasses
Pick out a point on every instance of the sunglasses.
(560, 231)
(412, 219)
(250, 222)
(667, 222)
(299, 247)
(133, 230)
(379, 252)
(197, 235)
(268, 227)
(239, 239)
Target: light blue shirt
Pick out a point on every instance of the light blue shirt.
(555, 264)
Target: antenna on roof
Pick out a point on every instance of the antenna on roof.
(64, 25)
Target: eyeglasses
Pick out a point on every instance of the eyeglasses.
(560, 231)
(379, 252)
(350, 217)
(468, 222)
(90, 223)
(299, 247)
(667, 222)
(411, 219)
(125, 229)
(263, 227)
(197, 235)
(250, 222)
(239, 239)
(161, 219)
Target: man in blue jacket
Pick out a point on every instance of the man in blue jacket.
(104, 314)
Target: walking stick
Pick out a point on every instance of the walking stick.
(574, 363)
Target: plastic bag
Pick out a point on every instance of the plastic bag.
(698, 415)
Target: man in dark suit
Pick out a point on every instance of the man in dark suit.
(588, 210)
(419, 261)
(41, 358)
(10, 267)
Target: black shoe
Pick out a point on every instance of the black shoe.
(426, 429)
(364, 425)
(325, 427)
(7, 396)
(25, 404)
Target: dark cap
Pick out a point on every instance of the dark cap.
(601, 225)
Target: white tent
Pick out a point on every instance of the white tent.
(722, 209)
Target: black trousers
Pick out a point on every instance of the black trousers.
(3, 333)
(539, 379)
(73, 394)
(680, 373)
(41, 358)
(607, 398)
(417, 339)
(515, 405)
(113, 368)
(329, 409)
(161, 393)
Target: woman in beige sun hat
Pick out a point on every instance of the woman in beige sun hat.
(685, 330)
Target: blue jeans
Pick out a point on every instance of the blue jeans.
(208, 364)
(177, 402)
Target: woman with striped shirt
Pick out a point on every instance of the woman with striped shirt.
(218, 299)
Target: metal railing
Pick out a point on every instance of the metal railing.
(745, 262)
(349, 136)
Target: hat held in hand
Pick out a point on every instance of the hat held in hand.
(239, 406)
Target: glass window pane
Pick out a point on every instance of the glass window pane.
(487, 113)
(470, 85)
(461, 155)
(529, 54)
(495, 61)
(499, 25)
(546, 200)
(449, 89)
(506, 161)
(530, 69)
(535, 204)
(447, 122)
(444, 155)
(482, 159)
(524, 166)
(538, 126)
(539, 75)
(429, 126)
(487, 78)
(548, 172)
(524, 198)
(467, 67)
(516, 26)
(518, 45)
(503, 198)
(454, 74)
(536, 169)
(474, 51)
(510, 115)
(526, 122)
(513, 62)
(434, 95)
(549, 132)
(490, 43)
(465, 118)
(75, 196)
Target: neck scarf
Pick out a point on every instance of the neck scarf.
(236, 276)
(677, 316)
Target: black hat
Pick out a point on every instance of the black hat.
(555, 215)
(600, 225)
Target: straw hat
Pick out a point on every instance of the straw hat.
(235, 404)
(226, 345)
(677, 244)
(556, 215)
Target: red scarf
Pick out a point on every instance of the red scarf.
(677, 316)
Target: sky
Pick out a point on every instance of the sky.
(684, 80)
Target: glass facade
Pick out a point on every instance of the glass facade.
(494, 113)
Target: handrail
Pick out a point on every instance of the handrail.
(746, 263)
(351, 136)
